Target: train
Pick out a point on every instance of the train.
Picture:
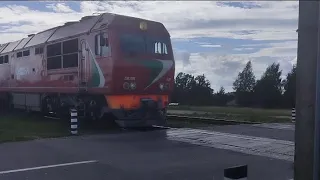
(107, 66)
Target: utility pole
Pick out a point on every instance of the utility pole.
(307, 108)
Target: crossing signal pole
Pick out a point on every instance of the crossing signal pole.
(306, 165)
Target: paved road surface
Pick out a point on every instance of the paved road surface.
(274, 131)
(162, 154)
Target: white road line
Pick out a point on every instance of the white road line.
(45, 167)
(273, 148)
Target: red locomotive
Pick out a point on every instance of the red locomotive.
(102, 65)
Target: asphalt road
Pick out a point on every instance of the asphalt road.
(280, 131)
(160, 154)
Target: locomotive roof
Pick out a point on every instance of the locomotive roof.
(69, 29)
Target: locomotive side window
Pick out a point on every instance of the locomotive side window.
(70, 53)
(62, 55)
(19, 54)
(38, 50)
(6, 59)
(97, 44)
(70, 46)
(1, 59)
(102, 45)
(70, 60)
(54, 60)
(26, 53)
(54, 50)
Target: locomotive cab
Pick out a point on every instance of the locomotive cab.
(143, 70)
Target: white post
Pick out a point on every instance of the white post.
(74, 121)
(236, 173)
(293, 115)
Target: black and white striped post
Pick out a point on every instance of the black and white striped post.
(293, 115)
(74, 121)
(236, 173)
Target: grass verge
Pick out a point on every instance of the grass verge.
(21, 126)
(234, 113)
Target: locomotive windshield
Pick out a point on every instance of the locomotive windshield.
(141, 44)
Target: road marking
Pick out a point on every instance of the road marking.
(45, 167)
(273, 148)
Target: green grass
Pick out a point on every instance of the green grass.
(235, 110)
(22, 126)
(19, 127)
(238, 113)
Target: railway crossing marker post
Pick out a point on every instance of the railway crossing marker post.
(74, 121)
(293, 115)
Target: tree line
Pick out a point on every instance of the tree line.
(270, 91)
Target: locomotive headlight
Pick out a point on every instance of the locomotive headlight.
(126, 85)
(143, 26)
(161, 86)
(133, 85)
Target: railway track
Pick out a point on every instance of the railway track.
(189, 119)
(177, 118)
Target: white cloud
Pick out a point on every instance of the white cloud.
(222, 70)
(281, 49)
(219, 69)
(208, 45)
(60, 8)
(9, 37)
(241, 49)
(274, 20)
(182, 56)
(207, 18)
(183, 19)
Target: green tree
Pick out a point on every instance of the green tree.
(268, 90)
(221, 98)
(192, 90)
(221, 91)
(201, 92)
(183, 86)
(289, 85)
(246, 80)
(244, 85)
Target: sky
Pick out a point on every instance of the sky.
(215, 38)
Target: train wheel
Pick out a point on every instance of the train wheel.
(109, 120)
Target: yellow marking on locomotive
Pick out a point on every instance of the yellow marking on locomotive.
(143, 26)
